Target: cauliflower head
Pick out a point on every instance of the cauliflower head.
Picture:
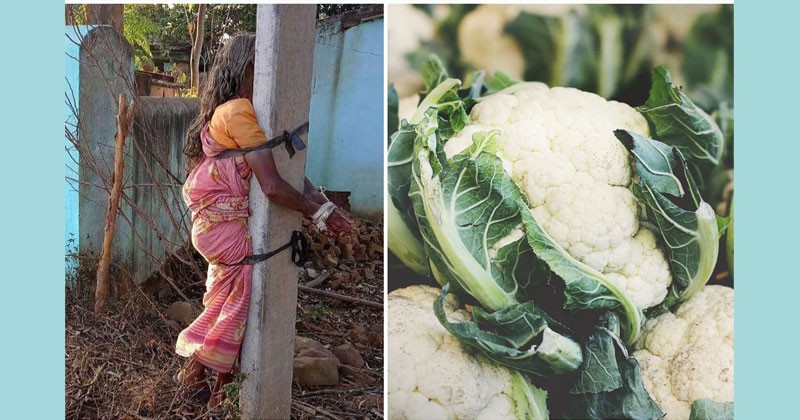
(483, 43)
(559, 147)
(688, 355)
(408, 29)
(432, 376)
(673, 23)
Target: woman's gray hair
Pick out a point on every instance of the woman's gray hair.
(223, 83)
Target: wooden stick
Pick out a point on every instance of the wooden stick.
(124, 118)
(319, 280)
(368, 390)
(340, 297)
(317, 410)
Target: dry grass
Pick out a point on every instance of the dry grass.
(119, 365)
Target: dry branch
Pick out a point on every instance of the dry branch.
(124, 119)
(320, 279)
(340, 297)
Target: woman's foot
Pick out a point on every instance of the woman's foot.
(218, 393)
(192, 375)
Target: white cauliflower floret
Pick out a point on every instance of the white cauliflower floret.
(431, 375)
(688, 355)
(559, 147)
(406, 108)
(643, 269)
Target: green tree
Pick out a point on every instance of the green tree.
(139, 31)
(328, 10)
(167, 26)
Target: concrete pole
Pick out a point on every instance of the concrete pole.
(281, 97)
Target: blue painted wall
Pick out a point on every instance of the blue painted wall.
(346, 124)
(73, 36)
(346, 137)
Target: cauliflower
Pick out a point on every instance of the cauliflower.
(672, 26)
(688, 355)
(483, 43)
(406, 107)
(564, 174)
(416, 28)
(432, 376)
(558, 145)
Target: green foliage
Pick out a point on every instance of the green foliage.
(600, 370)
(586, 288)
(317, 312)
(182, 78)
(610, 382)
(519, 336)
(466, 207)
(687, 225)
(188, 93)
(77, 13)
(607, 50)
(675, 120)
(139, 30)
(480, 238)
(230, 406)
(168, 25)
(328, 10)
(729, 239)
(708, 63)
(558, 51)
(501, 81)
(405, 241)
(705, 409)
(80, 275)
(404, 238)
(446, 43)
(530, 401)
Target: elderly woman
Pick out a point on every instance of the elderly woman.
(216, 192)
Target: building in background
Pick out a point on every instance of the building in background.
(346, 134)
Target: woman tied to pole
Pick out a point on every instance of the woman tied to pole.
(217, 193)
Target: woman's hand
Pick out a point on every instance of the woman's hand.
(340, 222)
(279, 191)
(311, 193)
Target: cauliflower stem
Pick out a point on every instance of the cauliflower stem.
(508, 336)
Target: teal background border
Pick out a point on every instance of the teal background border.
(32, 194)
(767, 153)
(767, 203)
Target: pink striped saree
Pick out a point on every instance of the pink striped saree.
(216, 192)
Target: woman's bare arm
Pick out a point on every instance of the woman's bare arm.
(277, 190)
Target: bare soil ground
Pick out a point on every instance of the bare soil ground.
(120, 365)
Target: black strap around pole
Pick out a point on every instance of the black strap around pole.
(291, 140)
(297, 243)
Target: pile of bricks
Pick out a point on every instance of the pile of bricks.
(351, 257)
